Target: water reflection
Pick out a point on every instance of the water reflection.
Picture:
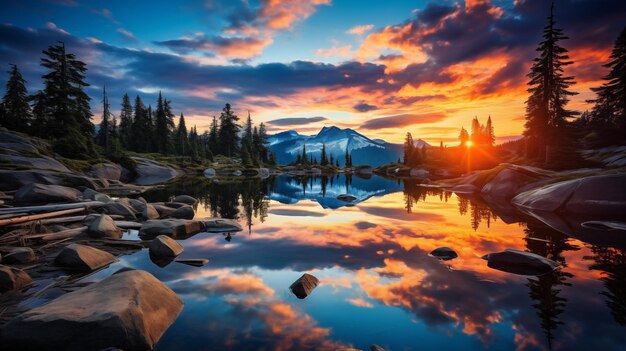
(377, 282)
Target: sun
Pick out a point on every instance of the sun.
(469, 143)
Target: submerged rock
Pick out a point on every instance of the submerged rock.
(304, 285)
(444, 253)
(175, 228)
(520, 262)
(129, 310)
(33, 194)
(103, 226)
(196, 262)
(13, 279)
(164, 211)
(346, 197)
(83, 258)
(221, 225)
(185, 199)
(164, 246)
(184, 212)
(151, 172)
(209, 173)
(20, 255)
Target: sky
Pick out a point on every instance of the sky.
(383, 68)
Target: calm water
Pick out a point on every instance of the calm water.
(378, 284)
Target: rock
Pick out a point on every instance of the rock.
(151, 172)
(444, 253)
(467, 189)
(164, 211)
(174, 204)
(520, 262)
(508, 182)
(20, 255)
(315, 171)
(117, 208)
(12, 179)
(164, 246)
(16, 143)
(129, 310)
(35, 194)
(346, 197)
(209, 173)
(419, 173)
(185, 212)
(104, 226)
(221, 225)
(375, 347)
(13, 279)
(39, 162)
(196, 262)
(304, 285)
(237, 173)
(149, 212)
(83, 258)
(605, 225)
(175, 228)
(185, 199)
(264, 173)
(96, 196)
(603, 195)
(107, 171)
(365, 170)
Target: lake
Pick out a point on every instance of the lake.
(378, 285)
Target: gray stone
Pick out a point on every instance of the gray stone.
(40, 162)
(117, 208)
(96, 196)
(129, 310)
(209, 173)
(83, 258)
(264, 173)
(107, 171)
(221, 225)
(304, 285)
(444, 253)
(184, 212)
(32, 194)
(520, 262)
(20, 255)
(346, 197)
(151, 172)
(185, 199)
(104, 226)
(164, 246)
(12, 179)
(375, 347)
(13, 279)
(175, 228)
(163, 210)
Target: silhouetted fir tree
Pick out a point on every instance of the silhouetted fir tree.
(546, 113)
(262, 143)
(102, 138)
(271, 159)
(298, 159)
(228, 133)
(246, 139)
(608, 116)
(304, 159)
(63, 111)
(15, 112)
(193, 144)
(612, 262)
(409, 147)
(324, 157)
(463, 137)
(337, 163)
(126, 122)
(245, 156)
(491, 137)
(331, 160)
(213, 135)
(141, 131)
(163, 125)
(181, 137)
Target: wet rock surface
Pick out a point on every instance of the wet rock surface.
(103, 226)
(35, 194)
(444, 253)
(83, 258)
(175, 228)
(164, 246)
(303, 287)
(20, 255)
(520, 262)
(13, 279)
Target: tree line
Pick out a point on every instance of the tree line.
(326, 159)
(61, 113)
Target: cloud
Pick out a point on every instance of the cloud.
(360, 30)
(336, 51)
(364, 107)
(402, 120)
(232, 47)
(54, 27)
(296, 121)
(126, 34)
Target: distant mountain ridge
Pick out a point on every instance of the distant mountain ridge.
(375, 152)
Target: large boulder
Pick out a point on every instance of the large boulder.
(185, 199)
(32, 194)
(164, 211)
(13, 279)
(520, 262)
(83, 258)
(184, 212)
(108, 171)
(164, 246)
(603, 195)
(129, 310)
(12, 179)
(508, 182)
(151, 172)
(103, 226)
(20, 255)
(39, 162)
(221, 225)
(175, 228)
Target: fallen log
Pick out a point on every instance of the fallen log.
(70, 219)
(30, 218)
(57, 207)
(56, 236)
(128, 224)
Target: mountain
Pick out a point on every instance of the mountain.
(375, 152)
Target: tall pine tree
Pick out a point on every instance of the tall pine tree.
(228, 133)
(102, 138)
(126, 122)
(182, 140)
(16, 113)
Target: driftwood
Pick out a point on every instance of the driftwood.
(56, 236)
(128, 224)
(57, 207)
(23, 219)
(196, 262)
(11, 215)
(71, 219)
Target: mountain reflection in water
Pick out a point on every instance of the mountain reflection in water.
(377, 283)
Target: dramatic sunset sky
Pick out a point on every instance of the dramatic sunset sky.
(380, 67)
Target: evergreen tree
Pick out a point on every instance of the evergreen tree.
(245, 156)
(102, 138)
(126, 122)
(331, 161)
(212, 141)
(182, 139)
(490, 137)
(463, 137)
(228, 133)
(192, 142)
(324, 157)
(256, 146)
(262, 143)
(304, 159)
(63, 110)
(247, 133)
(141, 128)
(16, 113)
(546, 113)
(163, 125)
(409, 149)
(609, 112)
